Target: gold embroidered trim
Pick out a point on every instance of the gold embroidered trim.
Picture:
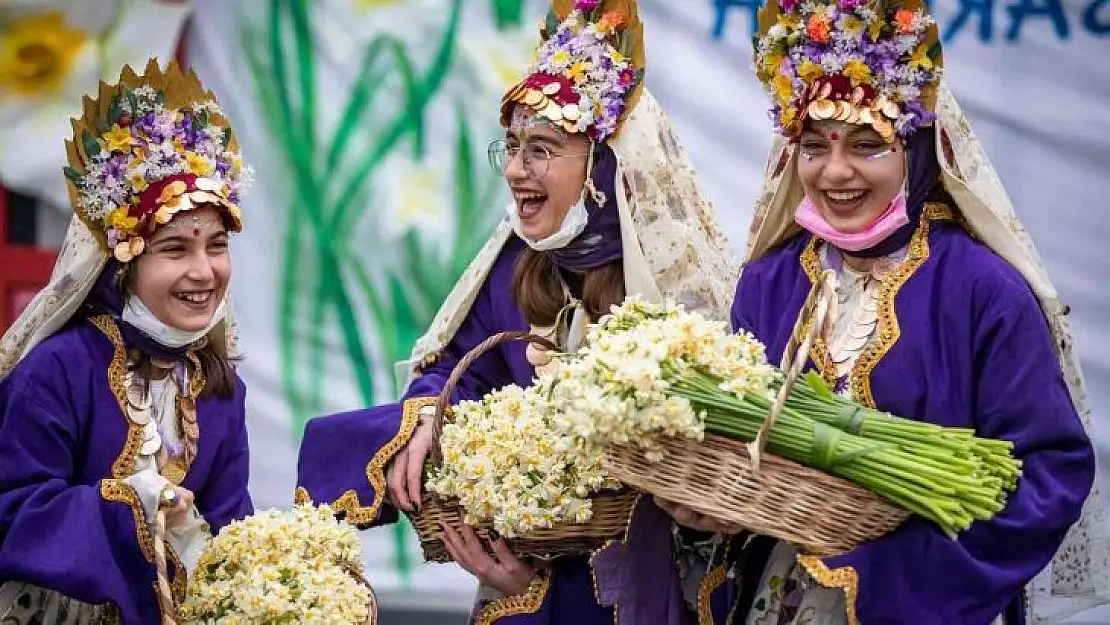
(844, 578)
(889, 331)
(348, 503)
(121, 492)
(528, 603)
(709, 584)
(124, 465)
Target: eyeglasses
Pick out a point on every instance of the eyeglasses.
(537, 157)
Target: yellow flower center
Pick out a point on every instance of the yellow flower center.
(37, 53)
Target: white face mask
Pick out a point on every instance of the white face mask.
(573, 225)
(138, 315)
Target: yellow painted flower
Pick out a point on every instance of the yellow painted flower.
(810, 71)
(857, 71)
(561, 57)
(920, 58)
(616, 57)
(198, 164)
(577, 72)
(119, 139)
(37, 53)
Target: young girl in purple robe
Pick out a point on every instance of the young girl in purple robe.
(604, 204)
(118, 394)
(944, 313)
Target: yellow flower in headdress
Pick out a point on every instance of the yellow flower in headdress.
(784, 87)
(770, 64)
(875, 30)
(577, 72)
(198, 164)
(789, 114)
(120, 220)
(119, 139)
(857, 71)
(810, 71)
(138, 182)
(561, 57)
(852, 25)
(920, 58)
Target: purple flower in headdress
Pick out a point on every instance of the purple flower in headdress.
(586, 5)
(563, 37)
(113, 237)
(849, 5)
(788, 5)
(222, 167)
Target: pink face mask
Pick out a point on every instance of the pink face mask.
(893, 218)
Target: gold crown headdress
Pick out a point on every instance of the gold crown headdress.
(147, 148)
(873, 62)
(589, 68)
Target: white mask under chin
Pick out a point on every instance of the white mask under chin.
(573, 225)
(138, 315)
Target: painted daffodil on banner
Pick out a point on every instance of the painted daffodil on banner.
(51, 53)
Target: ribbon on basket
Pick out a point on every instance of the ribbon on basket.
(817, 311)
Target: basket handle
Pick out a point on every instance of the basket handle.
(816, 311)
(443, 405)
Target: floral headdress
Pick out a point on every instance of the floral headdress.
(589, 68)
(874, 62)
(147, 148)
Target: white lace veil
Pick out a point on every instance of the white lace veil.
(672, 246)
(76, 270)
(1079, 576)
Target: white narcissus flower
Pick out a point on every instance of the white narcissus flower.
(293, 566)
(52, 52)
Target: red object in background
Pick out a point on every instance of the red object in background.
(24, 270)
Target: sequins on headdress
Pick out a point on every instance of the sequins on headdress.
(588, 70)
(147, 148)
(875, 63)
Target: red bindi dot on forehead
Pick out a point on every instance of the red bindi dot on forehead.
(893, 148)
(196, 232)
(835, 136)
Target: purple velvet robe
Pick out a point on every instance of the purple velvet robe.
(68, 521)
(343, 459)
(974, 351)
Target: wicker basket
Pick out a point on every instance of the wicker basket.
(737, 483)
(611, 509)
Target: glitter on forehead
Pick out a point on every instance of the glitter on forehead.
(194, 223)
(525, 119)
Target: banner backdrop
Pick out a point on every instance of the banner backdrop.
(367, 122)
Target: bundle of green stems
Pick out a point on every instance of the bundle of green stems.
(944, 474)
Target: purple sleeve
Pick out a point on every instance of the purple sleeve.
(916, 574)
(343, 456)
(225, 497)
(88, 541)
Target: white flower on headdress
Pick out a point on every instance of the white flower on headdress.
(51, 53)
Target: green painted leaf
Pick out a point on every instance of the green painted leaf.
(934, 51)
(72, 174)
